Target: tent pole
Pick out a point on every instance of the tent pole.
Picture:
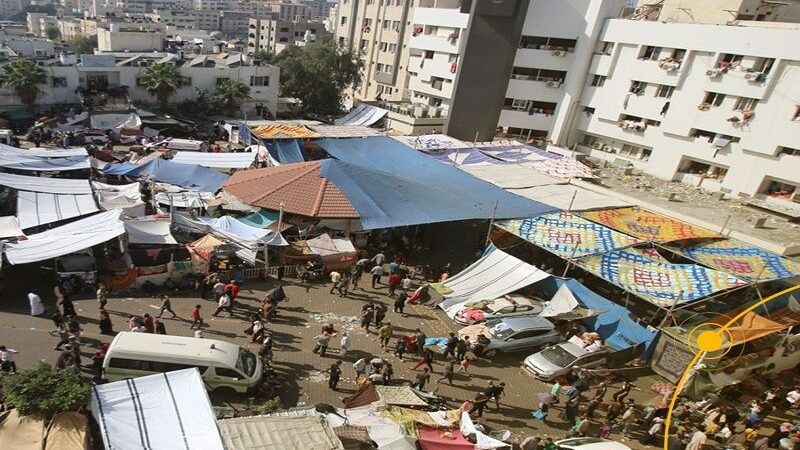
(574, 194)
(725, 225)
(668, 315)
(571, 257)
(491, 224)
(280, 218)
(171, 208)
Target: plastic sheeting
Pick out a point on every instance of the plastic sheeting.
(567, 235)
(345, 131)
(306, 432)
(19, 432)
(40, 152)
(119, 169)
(229, 160)
(45, 184)
(391, 185)
(37, 208)
(433, 439)
(740, 259)
(645, 274)
(126, 197)
(482, 441)
(164, 411)
(560, 196)
(230, 228)
(512, 176)
(149, 230)
(33, 163)
(260, 219)
(430, 142)
(283, 130)
(68, 431)
(465, 157)
(72, 237)
(191, 199)
(324, 245)
(564, 168)
(130, 121)
(285, 151)
(363, 114)
(9, 227)
(188, 176)
(497, 273)
(521, 154)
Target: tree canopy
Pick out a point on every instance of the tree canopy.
(51, 31)
(23, 77)
(318, 74)
(44, 390)
(85, 45)
(161, 80)
(230, 94)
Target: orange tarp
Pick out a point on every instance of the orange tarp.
(647, 225)
(284, 131)
(749, 327)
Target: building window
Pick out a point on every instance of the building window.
(664, 91)
(367, 22)
(714, 99)
(283, 39)
(186, 81)
(396, 25)
(745, 104)
(392, 48)
(379, 67)
(221, 80)
(343, 20)
(638, 87)
(598, 80)
(650, 52)
(388, 68)
(788, 151)
(59, 82)
(259, 81)
(384, 46)
(796, 116)
(284, 29)
(386, 24)
(606, 48)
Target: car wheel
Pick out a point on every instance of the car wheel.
(491, 353)
(226, 391)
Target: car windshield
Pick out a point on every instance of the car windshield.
(500, 330)
(247, 362)
(558, 356)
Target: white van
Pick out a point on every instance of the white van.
(223, 366)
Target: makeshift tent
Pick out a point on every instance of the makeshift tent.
(45, 184)
(749, 327)
(324, 245)
(37, 208)
(126, 197)
(438, 439)
(520, 154)
(260, 219)
(66, 239)
(482, 441)
(647, 225)
(188, 176)
(565, 306)
(230, 228)
(149, 230)
(740, 259)
(39, 152)
(363, 114)
(130, 121)
(302, 432)
(40, 164)
(190, 199)
(564, 168)
(18, 432)
(496, 143)
(656, 279)
(167, 410)
(120, 168)
(9, 227)
(497, 273)
(464, 157)
(365, 395)
(283, 131)
(285, 151)
(569, 197)
(297, 188)
(567, 235)
(430, 142)
(68, 431)
(345, 131)
(229, 160)
(398, 395)
(396, 189)
(511, 176)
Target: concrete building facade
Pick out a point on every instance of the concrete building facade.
(273, 35)
(720, 12)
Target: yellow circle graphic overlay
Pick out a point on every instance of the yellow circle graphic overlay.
(709, 341)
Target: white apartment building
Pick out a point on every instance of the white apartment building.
(124, 68)
(720, 12)
(712, 106)
(146, 6)
(273, 35)
(207, 20)
(381, 30)
(291, 11)
(10, 8)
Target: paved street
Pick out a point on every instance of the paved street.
(299, 370)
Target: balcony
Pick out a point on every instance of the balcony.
(534, 89)
(657, 72)
(524, 119)
(443, 44)
(440, 14)
(736, 83)
(601, 65)
(544, 59)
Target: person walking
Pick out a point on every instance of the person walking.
(166, 305)
(479, 403)
(461, 348)
(224, 303)
(335, 278)
(335, 374)
(379, 313)
(160, 327)
(399, 304)
(379, 258)
(102, 297)
(450, 346)
(37, 308)
(106, 327)
(421, 379)
(385, 333)
(197, 319)
(447, 373)
(366, 316)
(405, 283)
(623, 391)
(360, 367)
(67, 307)
(344, 285)
(321, 343)
(7, 363)
(400, 347)
(425, 359)
(495, 391)
(232, 289)
(628, 417)
(344, 345)
(463, 366)
(376, 272)
(218, 289)
(394, 282)
(419, 338)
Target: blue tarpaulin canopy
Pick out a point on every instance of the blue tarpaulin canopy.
(188, 176)
(614, 325)
(285, 151)
(260, 219)
(119, 169)
(392, 185)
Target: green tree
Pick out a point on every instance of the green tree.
(265, 56)
(230, 95)
(52, 32)
(318, 74)
(161, 80)
(23, 77)
(44, 390)
(85, 45)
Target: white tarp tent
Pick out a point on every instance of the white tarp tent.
(9, 227)
(362, 114)
(12, 160)
(561, 303)
(560, 196)
(186, 199)
(510, 176)
(229, 160)
(66, 239)
(39, 152)
(301, 432)
(324, 245)
(230, 228)
(149, 230)
(45, 184)
(129, 121)
(482, 441)
(163, 411)
(126, 197)
(497, 273)
(38, 208)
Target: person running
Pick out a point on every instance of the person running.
(106, 327)
(379, 313)
(461, 348)
(366, 316)
(447, 373)
(232, 289)
(450, 346)
(197, 319)
(102, 297)
(344, 285)
(405, 283)
(344, 345)
(495, 391)
(420, 338)
(400, 347)
(335, 278)
(399, 304)
(218, 289)
(335, 374)
(7, 363)
(321, 343)
(479, 403)
(386, 332)
(376, 272)
(224, 303)
(360, 367)
(425, 359)
(379, 258)
(166, 305)
(394, 282)
(421, 379)
(623, 391)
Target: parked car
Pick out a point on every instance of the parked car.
(98, 137)
(513, 334)
(505, 306)
(589, 443)
(558, 360)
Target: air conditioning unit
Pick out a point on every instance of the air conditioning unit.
(622, 124)
(639, 127)
(713, 72)
(598, 145)
(750, 76)
(559, 53)
(606, 148)
(613, 150)
(553, 84)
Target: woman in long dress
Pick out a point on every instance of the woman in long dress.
(37, 308)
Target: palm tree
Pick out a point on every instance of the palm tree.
(23, 77)
(230, 95)
(161, 80)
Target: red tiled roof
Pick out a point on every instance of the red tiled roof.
(300, 187)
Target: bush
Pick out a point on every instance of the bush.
(268, 407)
(45, 390)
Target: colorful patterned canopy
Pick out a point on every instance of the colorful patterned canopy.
(567, 234)
(518, 154)
(740, 259)
(647, 275)
(463, 157)
(564, 168)
(284, 131)
(647, 225)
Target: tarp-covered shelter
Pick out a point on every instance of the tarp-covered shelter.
(465, 157)
(119, 168)
(185, 199)
(126, 197)
(300, 432)
(42, 200)
(188, 176)
(740, 259)
(285, 151)
(228, 160)
(363, 114)
(18, 432)
(519, 154)
(130, 121)
(9, 227)
(648, 275)
(396, 188)
(68, 430)
(747, 328)
(564, 168)
(566, 234)
(43, 160)
(495, 274)
(45, 184)
(230, 228)
(283, 130)
(431, 142)
(346, 131)
(40, 152)
(438, 439)
(166, 410)
(66, 239)
(399, 395)
(260, 219)
(510, 176)
(298, 188)
(647, 225)
(149, 230)
(569, 197)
